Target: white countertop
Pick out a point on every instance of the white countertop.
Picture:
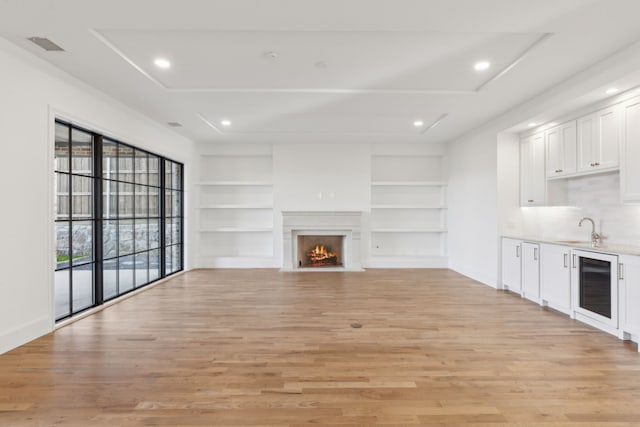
(604, 248)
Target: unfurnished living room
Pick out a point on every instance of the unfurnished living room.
(301, 212)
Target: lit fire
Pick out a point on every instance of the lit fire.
(320, 254)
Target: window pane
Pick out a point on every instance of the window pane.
(167, 203)
(82, 197)
(154, 265)
(125, 163)
(82, 287)
(125, 200)
(109, 199)
(125, 237)
(125, 274)
(154, 165)
(81, 152)
(167, 173)
(168, 233)
(61, 292)
(109, 239)
(62, 244)
(141, 201)
(109, 159)
(141, 167)
(109, 279)
(176, 257)
(154, 233)
(176, 184)
(176, 198)
(142, 267)
(82, 242)
(142, 235)
(154, 203)
(168, 265)
(61, 200)
(175, 230)
(61, 156)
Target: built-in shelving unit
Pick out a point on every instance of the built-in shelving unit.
(408, 211)
(235, 210)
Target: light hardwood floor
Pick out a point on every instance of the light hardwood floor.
(263, 348)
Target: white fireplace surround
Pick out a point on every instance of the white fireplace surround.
(324, 223)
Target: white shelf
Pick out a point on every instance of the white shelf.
(409, 230)
(249, 206)
(407, 207)
(236, 183)
(408, 184)
(237, 230)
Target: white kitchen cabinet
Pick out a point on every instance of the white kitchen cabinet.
(629, 292)
(598, 140)
(532, 171)
(555, 277)
(561, 150)
(511, 265)
(630, 152)
(531, 271)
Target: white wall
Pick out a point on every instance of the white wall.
(31, 93)
(330, 177)
(473, 222)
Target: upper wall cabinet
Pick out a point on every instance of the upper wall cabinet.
(599, 140)
(532, 171)
(630, 152)
(561, 150)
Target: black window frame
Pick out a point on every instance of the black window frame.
(100, 218)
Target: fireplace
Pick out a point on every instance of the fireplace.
(317, 251)
(321, 241)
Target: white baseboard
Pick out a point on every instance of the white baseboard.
(24, 333)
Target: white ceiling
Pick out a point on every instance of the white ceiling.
(358, 70)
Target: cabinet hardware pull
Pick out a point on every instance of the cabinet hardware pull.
(621, 271)
(518, 251)
(597, 163)
(565, 260)
(535, 254)
(530, 200)
(574, 260)
(592, 164)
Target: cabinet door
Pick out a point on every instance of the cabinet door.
(511, 266)
(608, 140)
(555, 277)
(531, 271)
(586, 127)
(629, 284)
(630, 152)
(532, 171)
(561, 150)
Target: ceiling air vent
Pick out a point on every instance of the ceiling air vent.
(175, 124)
(46, 44)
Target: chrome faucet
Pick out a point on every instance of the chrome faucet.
(596, 239)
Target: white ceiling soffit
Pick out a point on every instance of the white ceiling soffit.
(312, 62)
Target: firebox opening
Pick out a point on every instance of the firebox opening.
(320, 251)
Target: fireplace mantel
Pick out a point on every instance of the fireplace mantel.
(341, 223)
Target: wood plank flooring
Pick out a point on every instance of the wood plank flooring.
(264, 348)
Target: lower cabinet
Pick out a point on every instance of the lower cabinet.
(511, 265)
(629, 294)
(531, 271)
(555, 277)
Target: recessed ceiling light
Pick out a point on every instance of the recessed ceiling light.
(225, 123)
(481, 65)
(532, 124)
(418, 123)
(162, 63)
(612, 90)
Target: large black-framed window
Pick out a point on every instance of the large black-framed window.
(124, 239)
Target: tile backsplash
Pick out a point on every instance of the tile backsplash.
(596, 197)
